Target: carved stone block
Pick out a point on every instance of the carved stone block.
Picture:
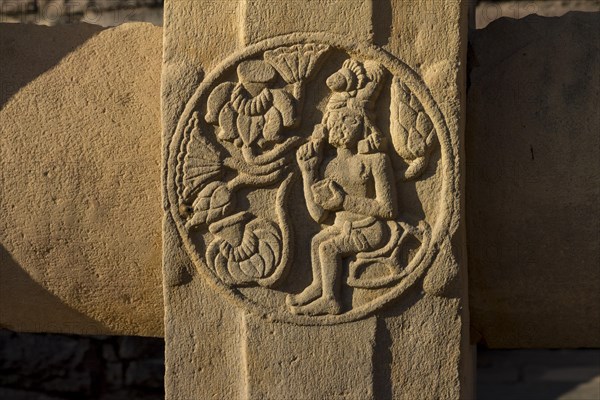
(312, 191)
(534, 159)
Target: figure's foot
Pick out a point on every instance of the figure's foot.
(321, 306)
(306, 296)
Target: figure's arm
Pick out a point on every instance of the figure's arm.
(309, 160)
(318, 213)
(384, 204)
(375, 73)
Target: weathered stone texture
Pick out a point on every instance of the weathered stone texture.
(533, 170)
(526, 315)
(275, 352)
(79, 177)
(97, 12)
(229, 114)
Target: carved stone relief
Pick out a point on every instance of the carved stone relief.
(310, 178)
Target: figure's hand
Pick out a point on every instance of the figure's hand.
(374, 70)
(328, 194)
(318, 134)
(371, 144)
(309, 155)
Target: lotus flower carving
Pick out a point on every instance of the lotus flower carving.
(245, 250)
(200, 164)
(297, 63)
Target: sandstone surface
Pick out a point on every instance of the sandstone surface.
(516, 301)
(79, 179)
(313, 197)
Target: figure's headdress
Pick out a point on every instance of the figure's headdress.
(355, 87)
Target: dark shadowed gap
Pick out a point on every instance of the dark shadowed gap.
(382, 361)
(382, 22)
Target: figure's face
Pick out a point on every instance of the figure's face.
(345, 128)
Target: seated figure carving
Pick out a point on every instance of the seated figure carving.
(352, 191)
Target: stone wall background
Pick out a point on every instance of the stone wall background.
(98, 12)
(116, 12)
(70, 367)
(491, 10)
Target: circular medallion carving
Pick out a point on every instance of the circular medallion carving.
(310, 179)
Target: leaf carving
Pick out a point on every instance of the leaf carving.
(412, 130)
(201, 163)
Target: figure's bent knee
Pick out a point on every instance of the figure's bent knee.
(321, 237)
(328, 247)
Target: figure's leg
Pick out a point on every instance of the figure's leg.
(330, 253)
(313, 291)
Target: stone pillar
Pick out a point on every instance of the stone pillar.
(313, 196)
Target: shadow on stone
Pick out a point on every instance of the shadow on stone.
(538, 374)
(382, 22)
(382, 359)
(26, 305)
(28, 51)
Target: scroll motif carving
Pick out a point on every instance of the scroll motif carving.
(346, 242)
